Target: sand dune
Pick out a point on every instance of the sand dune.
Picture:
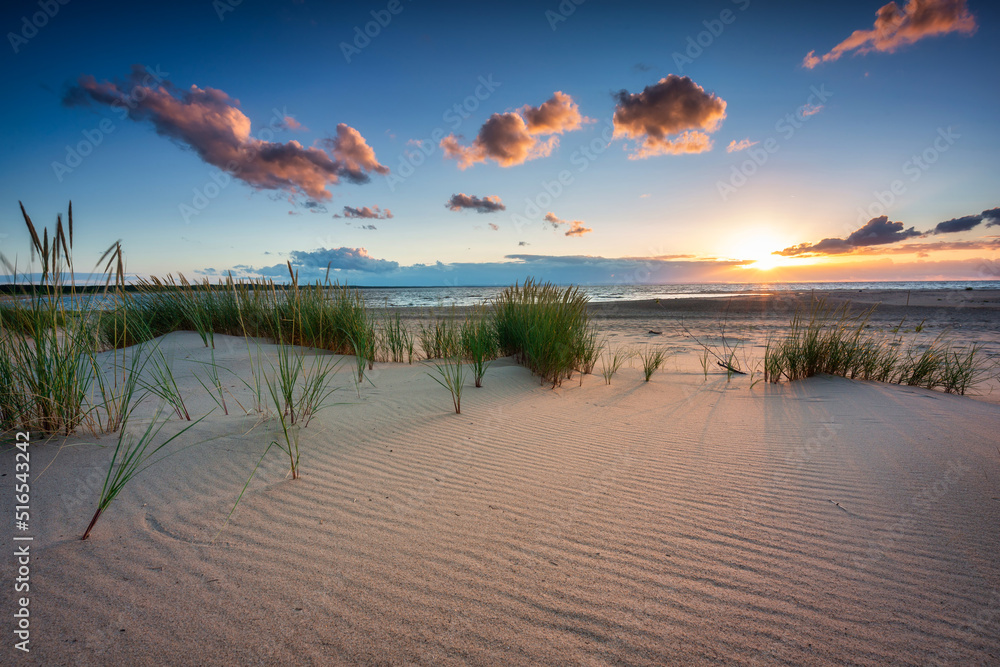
(687, 520)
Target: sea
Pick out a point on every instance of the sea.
(436, 297)
(430, 297)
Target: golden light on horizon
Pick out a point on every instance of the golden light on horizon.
(759, 246)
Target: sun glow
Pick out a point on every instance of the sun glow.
(757, 248)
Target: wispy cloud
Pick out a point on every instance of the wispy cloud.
(513, 138)
(671, 117)
(365, 212)
(740, 145)
(576, 227)
(895, 27)
(211, 123)
(488, 204)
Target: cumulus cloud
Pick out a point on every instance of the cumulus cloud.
(895, 28)
(556, 116)
(576, 227)
(514, 137)
(343, 259)
(365, 212)
(210, 122)
(488, 204)
(740, 145)
(671, 117)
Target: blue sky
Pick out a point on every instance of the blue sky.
(841, 133)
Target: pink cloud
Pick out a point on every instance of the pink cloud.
(211, 123)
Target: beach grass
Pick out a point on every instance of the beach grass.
(132, 455)
(652, 359)
(613, 360)
(545, 328)
(451, 376)
(837, 341)
(479, 342)
(46, 346)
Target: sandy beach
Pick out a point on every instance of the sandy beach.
(688, 520)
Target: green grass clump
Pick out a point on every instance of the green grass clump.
(442, 339)
(46, 348)
(546, 328)
(479, 343)
(396, 340)
(838, 342)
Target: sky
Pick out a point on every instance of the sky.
(405, 142)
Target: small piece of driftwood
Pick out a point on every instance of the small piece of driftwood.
(656, 333)
(730, 368)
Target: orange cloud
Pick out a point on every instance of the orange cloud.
(557, 115)
(512, 138)
(895, 28)
(576, 227)
(673, 106)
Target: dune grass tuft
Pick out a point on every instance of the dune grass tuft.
(479, 343)
(652, 360)
(451, 376)
(836, 341)
(612, 362)
(546, 328)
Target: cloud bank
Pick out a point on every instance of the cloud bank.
(895, 28)
(339, 259)
(671, 117)
(488, 204)
(514, 137)
(210, 122)
(880, 231)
